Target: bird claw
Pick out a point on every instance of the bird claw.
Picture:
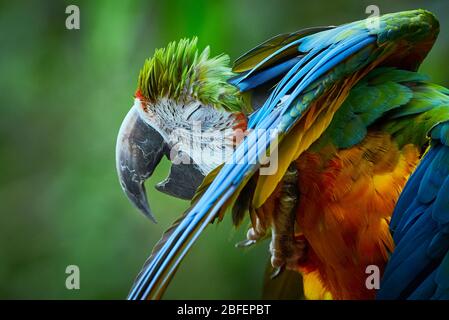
(245, 243)
(252, 236)
(288, 252)
(276, 272)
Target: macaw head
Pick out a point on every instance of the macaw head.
(185, 110)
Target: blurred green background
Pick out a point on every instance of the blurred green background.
(63, 95)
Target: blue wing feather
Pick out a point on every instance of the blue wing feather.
(408, 195)
(442, 280)
(263, 76)
(426, 288)
(419, 265)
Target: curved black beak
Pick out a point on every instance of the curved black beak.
(139, 150)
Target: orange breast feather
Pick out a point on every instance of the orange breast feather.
(347, 198)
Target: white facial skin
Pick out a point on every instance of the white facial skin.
(203, 133)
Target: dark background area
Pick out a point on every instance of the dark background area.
(63, 95)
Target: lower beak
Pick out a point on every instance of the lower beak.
(139, 150)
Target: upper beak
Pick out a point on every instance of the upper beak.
(139, 150)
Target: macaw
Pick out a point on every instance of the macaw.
(359, 141)
(178, 89)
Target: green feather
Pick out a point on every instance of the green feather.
(367, 102)
(399, 102)
(181, 73)
(413, 26)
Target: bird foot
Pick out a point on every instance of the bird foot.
(287, 252)
(245, 243)
(277, 272)
(252, 237)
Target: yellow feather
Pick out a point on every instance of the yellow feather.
(266, 184)
(313, 288)
(301, 137)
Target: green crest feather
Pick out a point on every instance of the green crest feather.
(181, 73)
